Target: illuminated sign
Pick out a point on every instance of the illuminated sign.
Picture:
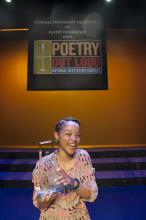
(67, 54)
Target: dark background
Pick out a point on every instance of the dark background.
(116, 14)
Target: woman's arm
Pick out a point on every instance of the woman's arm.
(85, 186)
(88, 189)
(39, 178)
(84, 192)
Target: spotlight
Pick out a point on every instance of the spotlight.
(8, 1)
(108, 0)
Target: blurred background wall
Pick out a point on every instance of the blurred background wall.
(116, 116)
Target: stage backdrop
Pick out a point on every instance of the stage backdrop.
(67, 53)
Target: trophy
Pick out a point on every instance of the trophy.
(53, 188)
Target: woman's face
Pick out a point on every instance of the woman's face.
(69, 137)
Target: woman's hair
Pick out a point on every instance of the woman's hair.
(60, 124)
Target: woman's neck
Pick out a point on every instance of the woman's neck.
(64, 156)
(65, 161)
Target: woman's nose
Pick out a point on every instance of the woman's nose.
(73, 137)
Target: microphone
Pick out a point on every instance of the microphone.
(43, 143)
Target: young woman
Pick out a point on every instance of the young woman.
(67, 166)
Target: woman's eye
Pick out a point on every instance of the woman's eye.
(68, 134)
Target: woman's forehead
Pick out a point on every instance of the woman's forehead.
(71, 125)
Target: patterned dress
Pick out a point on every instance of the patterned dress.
(68, 205)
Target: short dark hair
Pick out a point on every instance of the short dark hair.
(60, 124)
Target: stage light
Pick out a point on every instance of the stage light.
(108, 0)
(8, 1)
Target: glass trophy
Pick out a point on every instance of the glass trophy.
(53, 188)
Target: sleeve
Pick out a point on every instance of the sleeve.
(39, 180)
(87, 175)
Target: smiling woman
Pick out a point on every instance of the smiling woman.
(67, 166)
(67, 133)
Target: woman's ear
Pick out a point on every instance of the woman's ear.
(56, 136)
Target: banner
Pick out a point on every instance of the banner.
(67, 54)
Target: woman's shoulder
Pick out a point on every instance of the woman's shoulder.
(82, 152)
(47, 158)
(83, 157)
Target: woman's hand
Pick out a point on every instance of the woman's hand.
(45, 199)
(62, 178)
